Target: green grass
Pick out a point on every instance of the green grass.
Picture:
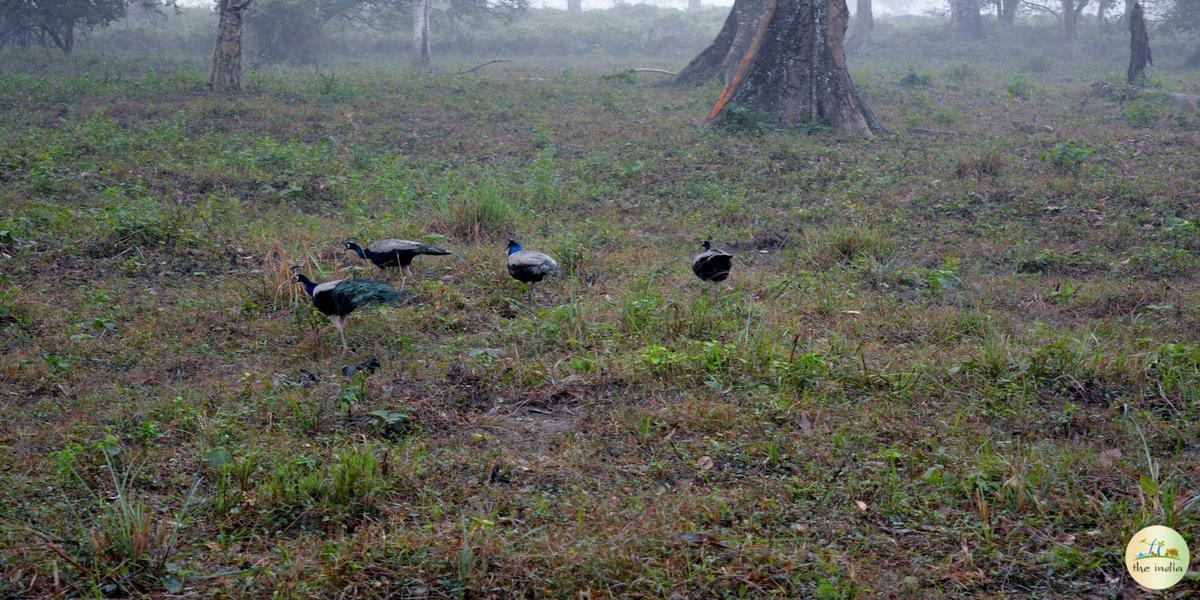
(957, 360)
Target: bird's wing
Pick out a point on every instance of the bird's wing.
(393, 245)
(708, 255)
(354, 293)
(328, 285)
(528, 258)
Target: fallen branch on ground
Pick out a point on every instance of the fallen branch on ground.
(478, 67)
(649, 70)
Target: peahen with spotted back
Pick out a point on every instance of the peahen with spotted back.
(712, 265)
(338, 298)
(392, 252)
(529, 267)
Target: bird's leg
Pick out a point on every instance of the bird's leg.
(341, 329)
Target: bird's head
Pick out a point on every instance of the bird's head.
(707, 245)
(513, 246)
(350, 244)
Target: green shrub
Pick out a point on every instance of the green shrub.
(1020, 87)
(961, 72)
(1067, 156)
(1146, 110)
(914, 79)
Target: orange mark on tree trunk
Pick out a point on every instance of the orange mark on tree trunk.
(747, 60)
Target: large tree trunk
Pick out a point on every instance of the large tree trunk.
(227, 53)
(966, 23)
(1139, 45)
(711, 63)
(575, 6)
(861, 25)
(1008, 11)
(793, 68)
(420, 39)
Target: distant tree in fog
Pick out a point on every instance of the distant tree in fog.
(1184, 17)
(1068, 14)
(861, 25)
(1006, 11)
(46, 22)
(275, 23)
(966, 22)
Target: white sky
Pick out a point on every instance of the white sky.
(881, 6)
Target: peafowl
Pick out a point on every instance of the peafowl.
(528, 266)
(391, 252)
(712, 265)
(337, 299)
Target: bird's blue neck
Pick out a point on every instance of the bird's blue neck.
(513, 249)
(359, 251)
(309, 286)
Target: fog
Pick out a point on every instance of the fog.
(887, 7)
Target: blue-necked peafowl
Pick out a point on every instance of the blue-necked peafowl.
(528, 266)
(712, 265)
(337, 299)
(391, 252)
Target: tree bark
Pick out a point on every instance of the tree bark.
(966, 23)
(1139, 46)
(574, 6)
(861, 25)
(709, 63)
(227, 52)
(1008, 11)
(420, 41)
(793, 69)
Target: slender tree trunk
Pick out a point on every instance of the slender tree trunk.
(420, 39)
(1008, 11)
(1070, 22)
(1102, 13)
(1139, 46)
(861, 25)
(1128, 9)
(694, 5)
(794, 69)
(227, 53)
(68, 37)
(965, 21)
(575, 6)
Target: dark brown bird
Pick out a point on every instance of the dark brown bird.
(712, 265)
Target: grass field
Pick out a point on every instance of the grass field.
(958, 360)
